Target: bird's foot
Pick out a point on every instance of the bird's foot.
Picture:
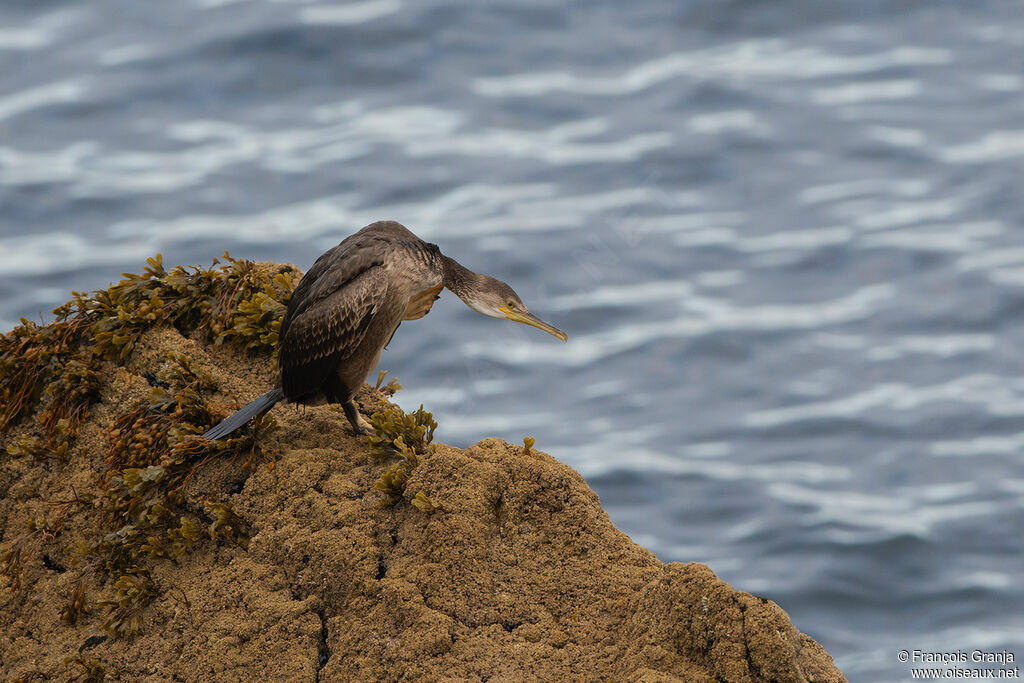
(360, 425)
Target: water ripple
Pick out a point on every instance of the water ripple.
(993, 146)
(912, 510)
(59, 92)
(767, 58)
(993, 395)
(867, 91)
(349, 13)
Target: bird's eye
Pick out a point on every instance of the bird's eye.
(511, 305)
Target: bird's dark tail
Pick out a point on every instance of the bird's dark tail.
(254, 409)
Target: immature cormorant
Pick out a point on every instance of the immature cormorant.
(347, 307)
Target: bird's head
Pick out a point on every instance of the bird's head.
(496, 299)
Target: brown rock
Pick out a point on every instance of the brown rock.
(521, 577)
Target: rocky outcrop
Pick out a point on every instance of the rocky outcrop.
(496, 562)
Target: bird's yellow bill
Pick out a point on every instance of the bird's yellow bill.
(532, 320)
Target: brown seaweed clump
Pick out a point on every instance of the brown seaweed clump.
(133, 549)
(151, 445)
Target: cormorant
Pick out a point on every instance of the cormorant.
(345, 310)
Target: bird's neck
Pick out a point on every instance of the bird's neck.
(458, 279)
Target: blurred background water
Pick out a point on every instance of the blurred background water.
(784, 239)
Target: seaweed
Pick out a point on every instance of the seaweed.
(39, 530)
(155, 447)
(427, 505)
(392, 482)
(395, 431)
(238, 302)
(53, 447)
(389, 389)
(259, 318)
(134, 593)
(225, 524)
(31, 357)
(89, 670)
(406, 435)
(76, 606)
(75, 387)
(12, 558)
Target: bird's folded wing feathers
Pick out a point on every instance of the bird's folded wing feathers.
(333, 270)
(334, 324)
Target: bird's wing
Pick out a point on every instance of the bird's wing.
(333, 270)
(329, 329)
(420, 303)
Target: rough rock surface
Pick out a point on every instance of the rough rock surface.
(522, 577)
